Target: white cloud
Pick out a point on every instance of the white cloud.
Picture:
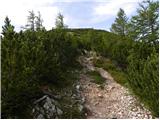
(103, 10)
(107, 10)
(17, 11)
(73, 22)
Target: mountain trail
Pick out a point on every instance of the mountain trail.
(113, 101)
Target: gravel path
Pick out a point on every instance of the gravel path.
(114, 101)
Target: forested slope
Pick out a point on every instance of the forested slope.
(34, 58)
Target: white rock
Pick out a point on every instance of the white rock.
(78, 87)
(134, 109)
(33, 110)
(100, 95)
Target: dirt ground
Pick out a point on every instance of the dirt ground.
(113, 101)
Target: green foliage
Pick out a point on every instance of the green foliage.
(117, 48)
(7, 28)
(33, 58)
(34, 22)
(143, 57)
(31, 20)
(140, 56)
(59, 22)
(39, 21)
(120, 25)
(30, 59)
(97, 78)
(118, 75)
(145, 25)
(17, 84)
(143, 75)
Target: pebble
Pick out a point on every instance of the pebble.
(96, 103)
(78, 87)
(100, 95)
(134, 109)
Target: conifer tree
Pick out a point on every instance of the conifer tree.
(39, 21)
(31, 20)
(7, 28)
(120, 25)
(59, 22)
(145, 25)
(8, 54)
(143, 58)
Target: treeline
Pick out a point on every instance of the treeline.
(34, 57)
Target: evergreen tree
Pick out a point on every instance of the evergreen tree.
(7, 28)
(143, 58)
(120, 25)
(59, 22)
(145, 25)
(39, 21)
(7, 52)
(31, 20)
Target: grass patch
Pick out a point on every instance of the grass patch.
(96, 77)
(118, 75)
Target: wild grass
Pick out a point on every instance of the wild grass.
(118, 75)
(96, 77)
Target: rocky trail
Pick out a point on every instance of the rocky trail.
(112, 102)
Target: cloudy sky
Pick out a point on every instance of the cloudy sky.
(98, 14)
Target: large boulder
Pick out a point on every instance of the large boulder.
(46, 107)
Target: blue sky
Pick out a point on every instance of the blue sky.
(98, 14)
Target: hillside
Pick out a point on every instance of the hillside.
(67, 73)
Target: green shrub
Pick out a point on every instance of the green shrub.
(143, 77)
(118, 75)
(30, 59)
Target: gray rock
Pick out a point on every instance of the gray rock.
(49, 101)
(46, 109)
(53, 108)
(36, 108)
(40, 116)
(59, 111)
(42, 111)
(33, 110)
(80, 107)
(83, 100)
(73, 96)
(46, 106)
